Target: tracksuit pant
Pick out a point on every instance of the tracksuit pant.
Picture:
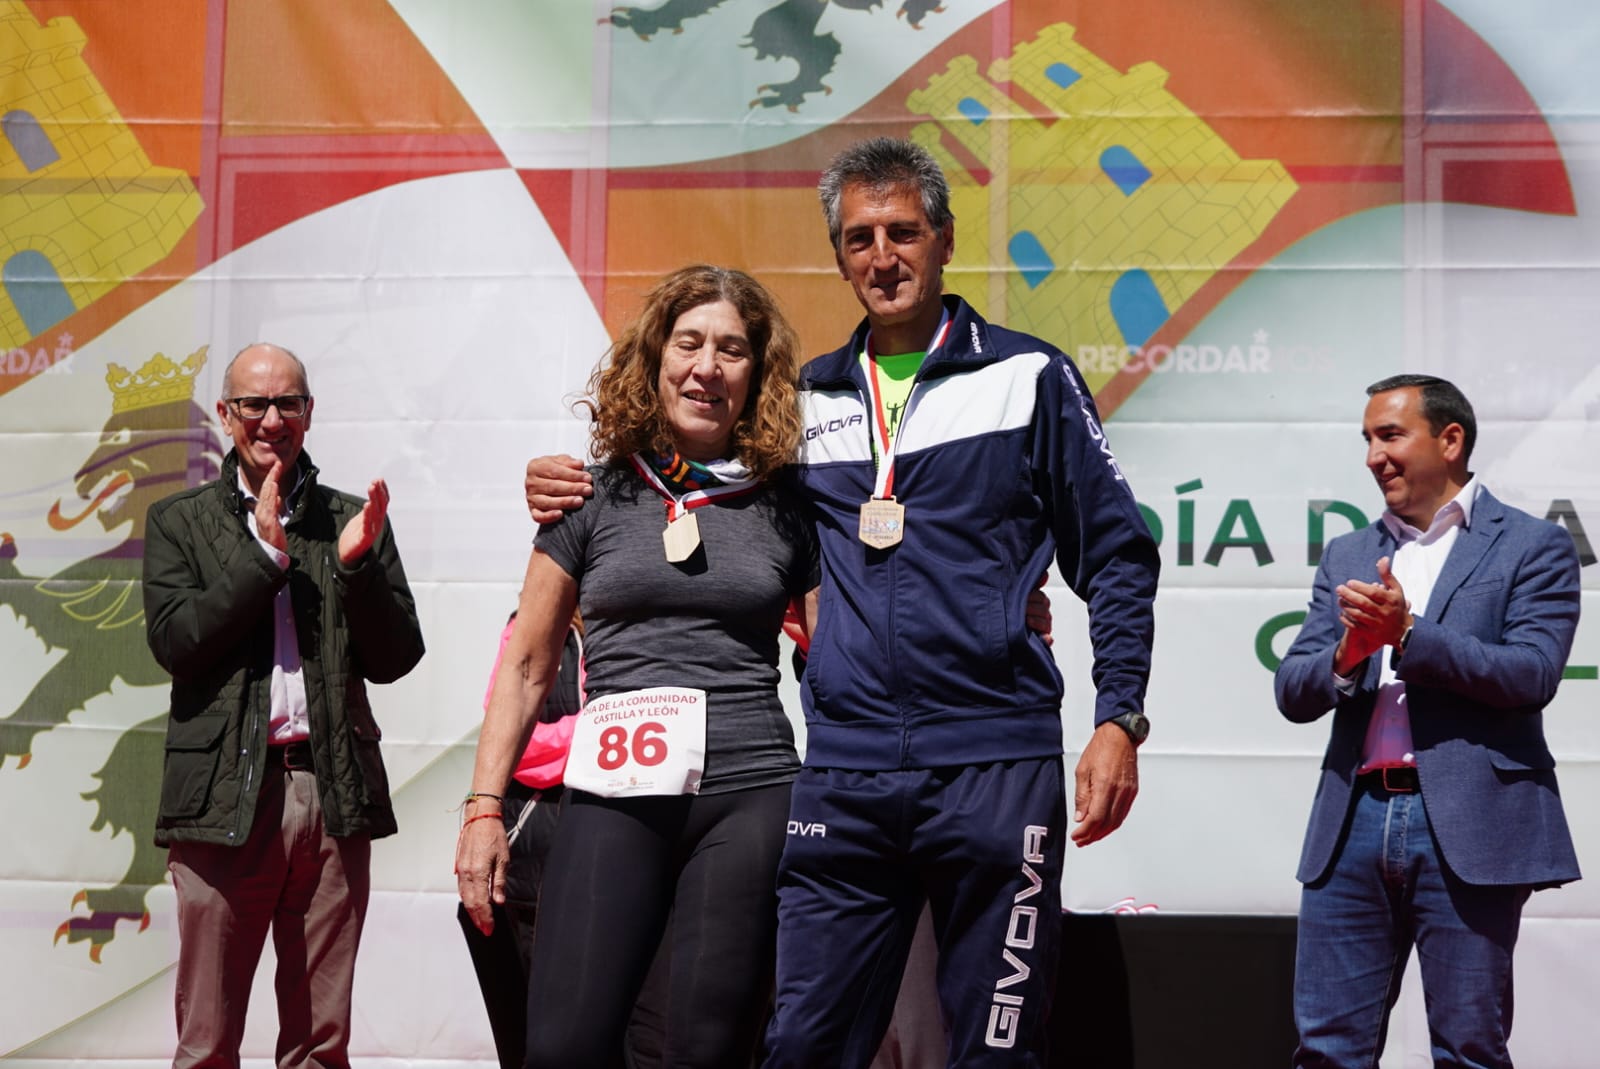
(982, 845)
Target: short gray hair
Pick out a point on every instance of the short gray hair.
(884, 163)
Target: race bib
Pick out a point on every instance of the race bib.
(640, 742)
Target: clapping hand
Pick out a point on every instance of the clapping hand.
(364, 527)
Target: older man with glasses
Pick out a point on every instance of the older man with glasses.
(272, 600)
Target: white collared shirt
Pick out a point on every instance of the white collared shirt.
(289, 720)
(1416, 564)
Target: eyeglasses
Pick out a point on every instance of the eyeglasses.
(289, 406)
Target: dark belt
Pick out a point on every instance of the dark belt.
(294, 756)
(1401, 780)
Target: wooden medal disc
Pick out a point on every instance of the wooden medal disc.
(682, 538)
(883, 522)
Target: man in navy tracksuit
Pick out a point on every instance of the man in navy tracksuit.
(948, 461)
(933, 767)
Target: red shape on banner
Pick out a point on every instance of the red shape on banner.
(552, 191)
(1498, 148)
(270, 183)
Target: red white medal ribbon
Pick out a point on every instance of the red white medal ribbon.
(878, 420)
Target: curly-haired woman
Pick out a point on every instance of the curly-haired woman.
(678, 782)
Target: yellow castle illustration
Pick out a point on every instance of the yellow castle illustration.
(81, 207)
(1115, 211)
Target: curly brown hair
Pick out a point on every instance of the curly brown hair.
(624, 406)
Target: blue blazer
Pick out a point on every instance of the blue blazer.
(1483, 661)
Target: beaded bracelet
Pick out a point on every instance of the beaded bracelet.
(473, 796)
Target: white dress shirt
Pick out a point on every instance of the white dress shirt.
(1416, 565)
(289, 720)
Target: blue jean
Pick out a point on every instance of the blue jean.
(1388, 889)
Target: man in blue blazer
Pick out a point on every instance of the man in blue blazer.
(1437, 636)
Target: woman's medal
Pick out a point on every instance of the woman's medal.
(682, 537)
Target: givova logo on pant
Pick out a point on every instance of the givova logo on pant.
(1006, 1011)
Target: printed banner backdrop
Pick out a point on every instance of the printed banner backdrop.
(1234, 213)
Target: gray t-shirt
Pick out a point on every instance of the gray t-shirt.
(710, 622)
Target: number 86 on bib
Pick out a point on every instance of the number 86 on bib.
(640, 742)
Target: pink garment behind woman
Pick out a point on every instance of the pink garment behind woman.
(545, 759)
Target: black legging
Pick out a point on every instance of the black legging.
(617, 869)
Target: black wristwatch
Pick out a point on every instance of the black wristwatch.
(1399, 650)
(1137, 725)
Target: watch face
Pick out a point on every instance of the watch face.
(1137, 725)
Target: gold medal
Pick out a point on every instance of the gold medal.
(682, 538)
(883, 522)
